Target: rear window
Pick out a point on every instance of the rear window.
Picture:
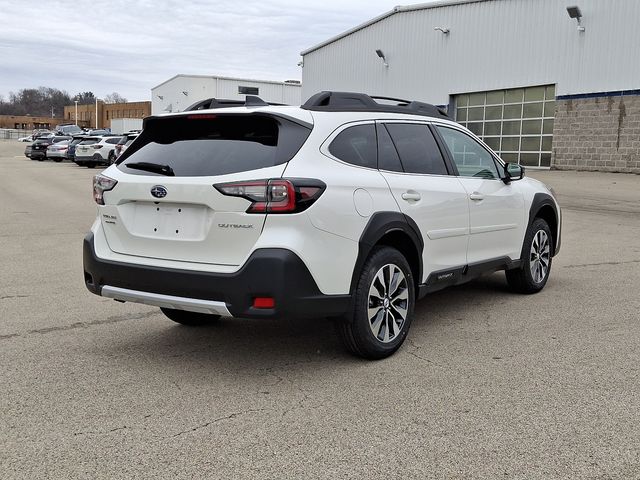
(356, 145)
(89, 141)
(208, 145)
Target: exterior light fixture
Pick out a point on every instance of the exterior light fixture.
(574, 12)
(160, 97)
(381, 55)
(444, 30)
(186, 94)
(301, 63)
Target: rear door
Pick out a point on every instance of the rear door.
(183, 217)
(414, 167)
(496, 210)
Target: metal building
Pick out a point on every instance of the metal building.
(543, 82)
(181, 91)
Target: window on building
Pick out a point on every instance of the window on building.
(516, 123)
(248, 90)
(356, 145)
(418, 150)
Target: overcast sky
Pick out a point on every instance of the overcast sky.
(130, 46)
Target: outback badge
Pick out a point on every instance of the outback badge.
(159, 191)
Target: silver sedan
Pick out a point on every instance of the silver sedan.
(58, 151)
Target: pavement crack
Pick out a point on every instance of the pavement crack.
(13, 296)
(219, 419)
(601, 263)
(414, 354)
(90, 432)
(76, 325)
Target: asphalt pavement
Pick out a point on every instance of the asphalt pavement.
(489, 384)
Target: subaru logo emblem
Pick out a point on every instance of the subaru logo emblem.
(159, 191)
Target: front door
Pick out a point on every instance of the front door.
(497, 217)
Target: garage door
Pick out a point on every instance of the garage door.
(517, 123)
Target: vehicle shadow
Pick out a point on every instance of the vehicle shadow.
(249, 345)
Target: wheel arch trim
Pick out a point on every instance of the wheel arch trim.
(544, 201)
(380, 225)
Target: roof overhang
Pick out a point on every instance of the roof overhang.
(398, 9)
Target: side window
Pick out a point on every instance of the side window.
(388, 158)
(471, 158)
(113, 141)
(356, 145)
(418, 150)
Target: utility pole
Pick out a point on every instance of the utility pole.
(52, 111)
(96, 113)
(76, 115)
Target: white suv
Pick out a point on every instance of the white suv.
(345, 207)
(94, 151)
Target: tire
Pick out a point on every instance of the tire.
(57, 159)
(380, 274)
(191, 319)
(90, 165)
(535, 267)
(112, 158)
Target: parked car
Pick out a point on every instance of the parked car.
(58, 151)
(97, 132)
(39, 147)
(345, 207)
(126, 140)
(41, 133)
(71, 151)
(96, 151)
(28, 138)
(68, 129)
(27, 150)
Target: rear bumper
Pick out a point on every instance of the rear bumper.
(88, 159)
(269, 272)
(38, 154)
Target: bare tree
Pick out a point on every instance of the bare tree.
(85, 98)
(114, 97)
(35, 101)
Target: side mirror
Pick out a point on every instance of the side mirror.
(513, 171)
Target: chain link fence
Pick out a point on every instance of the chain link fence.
(13, 133)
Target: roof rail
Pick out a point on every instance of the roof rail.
(251, 101)
(361, 102)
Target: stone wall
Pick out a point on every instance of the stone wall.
(601, 133)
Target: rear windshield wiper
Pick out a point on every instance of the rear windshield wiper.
(152, 167)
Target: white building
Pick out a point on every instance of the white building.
(181, 91)
(541, 83)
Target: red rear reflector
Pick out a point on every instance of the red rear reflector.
(264, 302)
(206, 116)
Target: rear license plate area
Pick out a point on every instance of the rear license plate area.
(170, 221)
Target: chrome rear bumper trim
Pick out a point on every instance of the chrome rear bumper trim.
(166, 301)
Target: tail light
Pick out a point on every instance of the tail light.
(276, 195)
(96, 146)
(101, 184)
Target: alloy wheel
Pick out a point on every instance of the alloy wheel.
(540, 256)
(388, 303)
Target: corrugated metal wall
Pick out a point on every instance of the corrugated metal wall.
(492, 45)
(198, 88)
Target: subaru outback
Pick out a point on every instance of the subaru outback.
(350, 206)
